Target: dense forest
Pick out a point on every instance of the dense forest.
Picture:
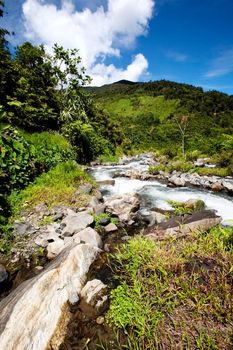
(157, 115)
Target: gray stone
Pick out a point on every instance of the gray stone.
(87, 188)
(54, 248)
(177, 181)
(107, 247)
(58, 216)
(106, 182)
(126, 238)
(182, 226)
(76, 222)
(98, 195)
(41, 241)
(38, 269)
(68, 240)
(110, 228)
(123, 206)
(99, 209)
(88, 235)
(94, 298)
(93, 202)
(3, 274)
(23, 228)
(147, 217)
(228, 185)
(159, 217)
(104, 221)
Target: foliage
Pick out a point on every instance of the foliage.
(24, 156)
(102, 216)
(34, 102)
(99, 218)
(58, 186)
(189, 167)
(168, 290)
(179, 208)
(144, 110)
(223, 172)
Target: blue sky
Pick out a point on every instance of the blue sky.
(187, 41)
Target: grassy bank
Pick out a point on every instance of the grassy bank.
(175, 294)
(59, 186)
(189, 167)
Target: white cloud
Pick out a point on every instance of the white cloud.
(221, 65)
(103, 74)
(98, 34)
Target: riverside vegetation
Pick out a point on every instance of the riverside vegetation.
(170, 294)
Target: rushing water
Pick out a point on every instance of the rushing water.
(156, 194)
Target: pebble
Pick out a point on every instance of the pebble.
(100, 320)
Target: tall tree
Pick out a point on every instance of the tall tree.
(6, 66)
(34, 102)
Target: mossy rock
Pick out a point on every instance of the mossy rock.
(195, 204)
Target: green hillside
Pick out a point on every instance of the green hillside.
(150, 115)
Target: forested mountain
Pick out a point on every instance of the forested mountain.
(152, 114)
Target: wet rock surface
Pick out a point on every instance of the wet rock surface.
(183, 225)
(123, 206)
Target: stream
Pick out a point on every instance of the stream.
(156, 194)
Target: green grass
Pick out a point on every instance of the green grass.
(175, 294)
(188, 167)
(58, 186)
(179, 208)
(222, 172)
(140, 105)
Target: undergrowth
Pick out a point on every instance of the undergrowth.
(175, 294)
(57, 187)
(186, 167)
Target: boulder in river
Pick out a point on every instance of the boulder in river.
(35, 315)
(181, 226)
(123, 206)
(110, 182)
(194, 204)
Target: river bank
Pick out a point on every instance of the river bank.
(73, 285)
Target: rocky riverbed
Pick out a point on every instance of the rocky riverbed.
(74, 241)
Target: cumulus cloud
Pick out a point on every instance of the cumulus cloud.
(103, 74)
(98, 33)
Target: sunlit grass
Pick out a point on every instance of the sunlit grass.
(175, 292)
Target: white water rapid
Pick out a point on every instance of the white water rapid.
(156, 194)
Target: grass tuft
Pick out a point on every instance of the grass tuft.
(176, 293)
(57, 187)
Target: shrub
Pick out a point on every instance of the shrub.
(58, 186)
(24, 156)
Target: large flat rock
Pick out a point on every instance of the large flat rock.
(182, 226)
(35, 315)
